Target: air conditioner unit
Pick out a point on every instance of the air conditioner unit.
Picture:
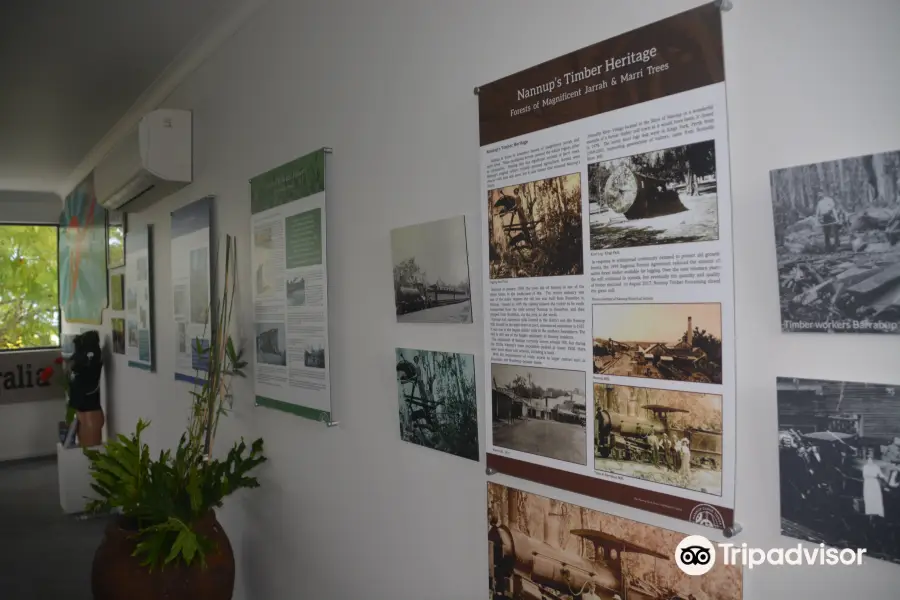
(151, 163)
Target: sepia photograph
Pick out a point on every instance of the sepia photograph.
(661, 197)
(438, 406)
(296, 291)
(431, 272)
(540, 411)
(839, 456)
(199, 290)
(535, 229)
(271, 344)
(837, 239)
(118, 336)
(664, 436)
(547, 549)
(314, 355)
(681, 342)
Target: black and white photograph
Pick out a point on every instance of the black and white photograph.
(535, 228)
(839, 455)
(182, 337)
(680, 342)
(132, 334)
(664, 436)
(271, 344)
(837, 239)
(436, 392)
(199, 290)
(118, 336)
(314, 355)
(660, 197)
(431, 272)
(540, 411)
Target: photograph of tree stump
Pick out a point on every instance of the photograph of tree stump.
(534, 228)
(661, 197)
(837, 238)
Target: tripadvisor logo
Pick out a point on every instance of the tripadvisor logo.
(696, 555)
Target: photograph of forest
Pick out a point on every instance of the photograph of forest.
(534, 228)
(837, 228)
(589, 552)
(661, 197)
(436, 393)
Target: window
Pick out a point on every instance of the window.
(29, 287)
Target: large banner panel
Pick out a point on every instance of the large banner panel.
(290, 288)
(608, 273)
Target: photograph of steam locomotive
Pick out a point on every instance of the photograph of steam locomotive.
(664, 436)
(438, 409)
(539, 411)
(681, 342)
(837, 239)
(545, 549)
(660, 197)
(270, 344)
(534, 228)
(431, 272)
(839, 455)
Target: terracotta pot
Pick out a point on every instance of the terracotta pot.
(117, 575)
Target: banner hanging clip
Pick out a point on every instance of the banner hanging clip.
(724, 5)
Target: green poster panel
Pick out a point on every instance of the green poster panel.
(82, 256)
(297, 179)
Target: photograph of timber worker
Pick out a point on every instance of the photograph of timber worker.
(831, 217)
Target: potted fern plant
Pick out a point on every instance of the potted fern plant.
(166, 541)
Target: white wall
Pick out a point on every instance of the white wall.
(29, 429)
(353, 511)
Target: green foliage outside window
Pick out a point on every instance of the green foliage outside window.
(29, 287)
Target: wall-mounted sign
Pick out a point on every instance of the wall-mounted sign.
(20, 379)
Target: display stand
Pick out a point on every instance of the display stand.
(73, 470)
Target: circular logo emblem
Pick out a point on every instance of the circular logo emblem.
(695, 555)
(708, 516)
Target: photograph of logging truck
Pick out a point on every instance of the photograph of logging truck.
(438, 407)
(431, 272)
(839, 455)
(682, 342)
(540, 411)
(664, 436)
(837, 236)
(534, 228)
(545, 549)
(661, 197)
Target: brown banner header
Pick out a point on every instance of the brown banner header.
(701, 513)
(674, 55)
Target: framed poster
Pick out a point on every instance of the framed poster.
(117, 291)
(192, 286)
(82, 256)
(608, 271)
(290, 286)
(139, 336)
(115, 234)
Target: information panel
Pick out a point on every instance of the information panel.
(139, 299)
(608, 271)
(290, 288)
(192, 289)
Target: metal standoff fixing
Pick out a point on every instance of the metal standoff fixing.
(477, 90)
(490, 471)
(733, 530)
(724, 5)
(332, 423)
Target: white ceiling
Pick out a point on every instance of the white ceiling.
(70, 69)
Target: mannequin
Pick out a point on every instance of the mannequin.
(85, 367)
